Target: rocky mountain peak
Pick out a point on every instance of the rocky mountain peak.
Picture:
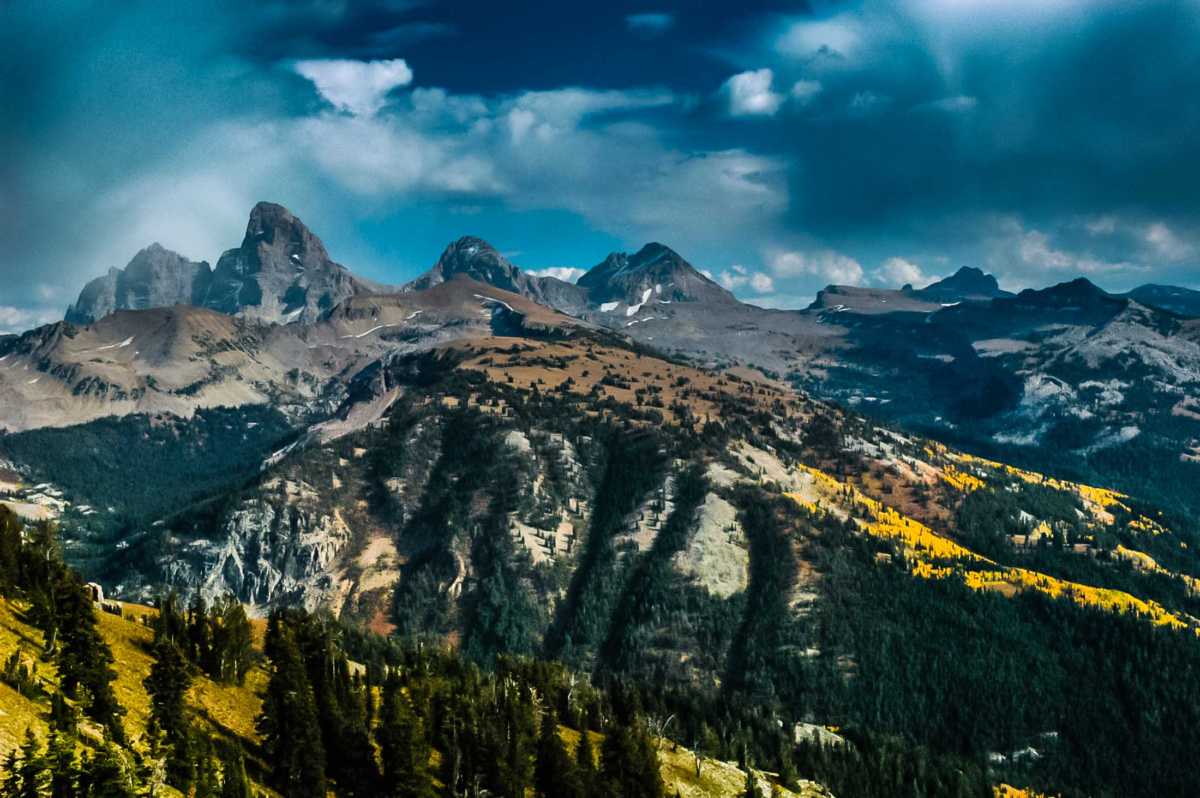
(477, 259)
(275, 227)
(656, 268)
(968, 282)
(155, 277)
(280, 273)
(1080, 291)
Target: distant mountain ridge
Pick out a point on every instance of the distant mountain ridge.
(155, 277)
(654, 271)
(1183, 301)
(966, 283)
(280, 273)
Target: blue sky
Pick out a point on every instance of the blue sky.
(780, 146)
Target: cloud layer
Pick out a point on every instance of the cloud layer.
(870, 143)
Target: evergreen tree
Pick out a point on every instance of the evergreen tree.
(171, 622)
(64, 770)
(585, 766)
(84, 658)
(10, 551)
(27, 770)
(105, 775)
(404, 747)
(518, 733)
(232, 647)
(169, 680)
(198, 633)
(629, 764)
(288, 724)
(554, 775)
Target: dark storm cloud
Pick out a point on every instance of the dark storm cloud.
(953, 123)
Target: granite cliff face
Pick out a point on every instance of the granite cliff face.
(653, 272)
(475, 258)
(155, 278)
(277, 547)
(280, 273)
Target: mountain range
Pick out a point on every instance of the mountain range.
(876, 520)
(960, 358)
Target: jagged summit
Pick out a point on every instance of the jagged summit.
(967, 283)
(655, 268)
(477, 259)
(155, 277)
(280, 273)
(1080, 291)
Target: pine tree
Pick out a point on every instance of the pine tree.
(198, 633)
(27, 769)
(169, 680)
(288, 724)
(104, 775)
(585, 765)
(629, 764)
(64, 770)
(84, 658)
(10, 551)
(404, 747)
(170, 623)
(554, 775)
(232, 646)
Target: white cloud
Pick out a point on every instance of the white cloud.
(740, 277)
(1101, 225)
(567, 274)
(826, 264)
(1163, 240)
(957, 104)
(896, 272)
(15, 320)
(1025, 256)
(807, 38)
(805, 91)
(1034, 249)
(650, 23)
(545, 114)
(762, 283)
(575, 155)
(750, 93)
(547, 149)
(360, 87)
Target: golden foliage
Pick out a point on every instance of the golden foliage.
(931, 555)
(961, 480)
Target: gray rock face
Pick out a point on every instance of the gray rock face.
(966, 283)
(277, 548)
(480, 261)
(155, 278)
(280, 273)
(655, 268)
